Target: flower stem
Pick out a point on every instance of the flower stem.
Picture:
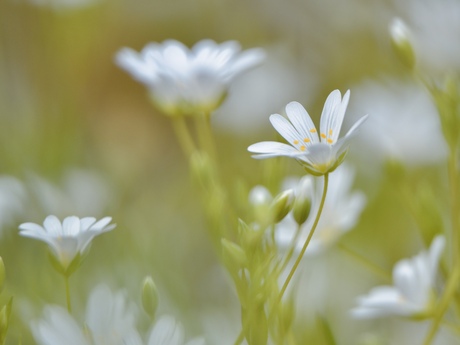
(365, 262)
(307, 241)
(203, 127)
(183, 135)
(443, 304)
(67, 292)
(453, 179)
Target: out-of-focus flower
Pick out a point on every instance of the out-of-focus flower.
(340, 214)
(168, 332)
(402, 41)
(188, 81)
(412, 293)
(319, 154)
(435, 28)
(69, 239)
(80, 192)
(12, 200)
(403, 117)
(64, 5)
(109, 320)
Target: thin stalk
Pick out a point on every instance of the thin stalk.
(205, 137)
(292, 249)
(183, 135)
(365, 262)
(67, 293)
(449, 292)
(310, 235)
(453, 179)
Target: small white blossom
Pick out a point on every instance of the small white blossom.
(412, 293)
(319, 154)
(69, 238)
(187, 81)
(169, 332)
(340, 214)
(109, 320)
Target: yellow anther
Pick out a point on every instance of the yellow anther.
(296, 142)
(302, 148)
(330, 132)
(330, 141)
(313, 130)
(306, 140)
(323, 135)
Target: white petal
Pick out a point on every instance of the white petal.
(302, 121)
(272, 149)
(286, 129)
(52, 225)
(331, 106)
(71, 226)
(102, 224)
(166, 332)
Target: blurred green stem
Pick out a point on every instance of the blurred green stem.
(183, 135)
(67, 292)
(292, 249)
(443, 304)
(310, 235)
(365, 262)
(453, 179)
(203, 128)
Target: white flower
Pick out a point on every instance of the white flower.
(340, 214)
(318, 154)
(68, 239)
(187, 81)
(412, 293)
(109, 321)
(168, 332)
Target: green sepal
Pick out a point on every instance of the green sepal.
(5, 313)
(149, 296)
(281, 206)
(68, 270)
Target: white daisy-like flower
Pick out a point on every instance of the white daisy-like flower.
(109, 319)
(412, 292)
(69, 238)
(186, 81)
(341, 212)
(319, 154)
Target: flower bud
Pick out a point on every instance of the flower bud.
(302, 203)
(5, 320)
(401, 42)
(149, 296)
(233, 255)
(281, 205)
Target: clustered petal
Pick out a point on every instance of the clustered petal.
(186, 81)
(411, 294)
(69, 238)
(319, 153)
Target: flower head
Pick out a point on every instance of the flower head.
(319, 154)
(187, 81)
(68, 239)
(412, 292)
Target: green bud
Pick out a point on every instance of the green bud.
(302, 203)
(2, 274)
(149, 296)
(5, 313)
(281, 205)
(401, 42)
(233, 255)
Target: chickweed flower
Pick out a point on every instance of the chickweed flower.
(412, 293)
(69, 239)
(186, 81)
(319, 154)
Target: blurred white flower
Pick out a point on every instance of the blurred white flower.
(186, 81)
(12, 200)
(412, 293)
(318, 154)
(109, 320)
(63, 5)
(341, 212)
(69, 239)
(80, 192)
(168, 332)
(404, 124)
(435, 28)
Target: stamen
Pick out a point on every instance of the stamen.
(296, 142)
(330, 141)
(306, 140)
(323, 135)
(313, 130)
(330, 132)
(302, 148)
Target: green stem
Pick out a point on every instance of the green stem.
(453, 179)
(310, 235)
(449, 292)
(183, 135)
(203, 128)
(67, 292)
(365, 262)
(292, 249)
